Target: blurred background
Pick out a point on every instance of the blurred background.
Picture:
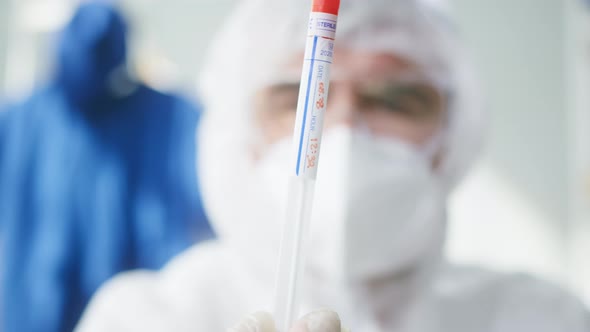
(526, 205)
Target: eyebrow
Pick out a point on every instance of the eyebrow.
(284, 87)
(428, 96)
(419, 91)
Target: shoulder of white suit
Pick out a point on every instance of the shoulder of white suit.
(162, 300)
(511, 300)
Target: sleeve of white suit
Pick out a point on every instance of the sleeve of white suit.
(129, 302)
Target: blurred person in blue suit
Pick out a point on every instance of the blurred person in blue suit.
(97, 176)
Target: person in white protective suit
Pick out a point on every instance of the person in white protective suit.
(403, 124)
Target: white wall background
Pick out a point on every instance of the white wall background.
(578, 96)
(517, 210)
(517, 196)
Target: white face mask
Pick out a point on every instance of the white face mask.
(377, 208)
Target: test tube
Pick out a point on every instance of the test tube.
(307, 138)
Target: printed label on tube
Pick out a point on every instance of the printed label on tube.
(313, 93)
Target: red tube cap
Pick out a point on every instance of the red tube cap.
(326, 6)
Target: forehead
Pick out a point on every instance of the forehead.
(359, 65)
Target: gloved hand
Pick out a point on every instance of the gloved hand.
(316, 321)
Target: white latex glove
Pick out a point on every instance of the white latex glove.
(316, 321)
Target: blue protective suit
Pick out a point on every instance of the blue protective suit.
(97, 176)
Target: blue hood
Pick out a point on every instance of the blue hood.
(91, 47)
